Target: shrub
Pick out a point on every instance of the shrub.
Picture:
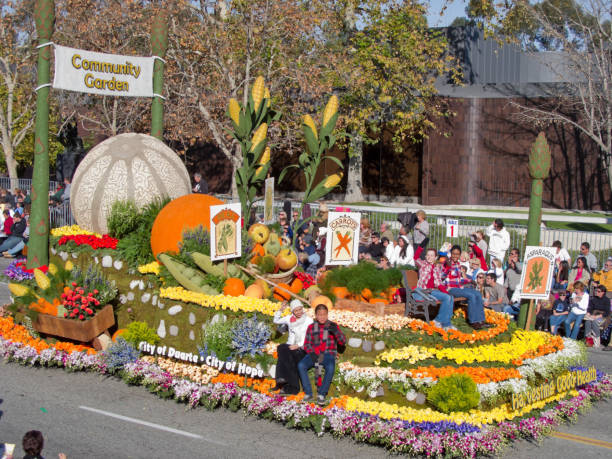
(94, 279)
(217, 339)
(140, 331)
(249, 336)
(118, 354)
(456, 392)
(123, 219)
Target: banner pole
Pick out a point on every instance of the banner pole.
(38, 245)
(159, 45)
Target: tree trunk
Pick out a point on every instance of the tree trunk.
(11, 165)
(355, 171)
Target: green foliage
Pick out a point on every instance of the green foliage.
(140, 331)
(135, 247)
(217, 338)
(457, 392)
(194, 240)
(123, 219)
(362, 275)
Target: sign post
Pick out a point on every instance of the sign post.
(159, 45)
(269, 201)
(38, 247)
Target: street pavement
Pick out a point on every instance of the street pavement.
(86, 415)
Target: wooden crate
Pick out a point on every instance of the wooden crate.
(82, 331)
(378, 309)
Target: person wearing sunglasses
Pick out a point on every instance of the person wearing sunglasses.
(598, 311)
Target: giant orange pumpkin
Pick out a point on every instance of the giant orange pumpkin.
(186, 212)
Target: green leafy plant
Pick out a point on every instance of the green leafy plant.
(123, 219)
(360, 276)
(217, 338)
(135, 247)
(457, 392)
(140, 331)
(194, 240)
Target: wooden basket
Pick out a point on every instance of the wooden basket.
(76, 330)
(279, 278)
(378, 309)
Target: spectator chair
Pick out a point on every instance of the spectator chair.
(416, 306)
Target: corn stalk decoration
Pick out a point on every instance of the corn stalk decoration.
(250, 128)
(317, 144)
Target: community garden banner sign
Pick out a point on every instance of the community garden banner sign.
(225, 231)
(104, 74)
(342, 247)
(538, 267)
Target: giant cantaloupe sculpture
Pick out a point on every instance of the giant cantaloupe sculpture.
(130, 166)
(186, 212)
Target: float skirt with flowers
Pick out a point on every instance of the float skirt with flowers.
(390, 385)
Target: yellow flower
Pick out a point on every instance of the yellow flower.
(308, 121)
(69, 266)
(258, 91)
(52, 269)
(330, 109)
(150, 268)
(234, 111)
(73, 230)
(259, 135)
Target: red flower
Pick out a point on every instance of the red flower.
(82, 317)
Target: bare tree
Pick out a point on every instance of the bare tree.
(581, 33)
(16, 81)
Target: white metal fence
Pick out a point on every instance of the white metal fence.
(23, 184)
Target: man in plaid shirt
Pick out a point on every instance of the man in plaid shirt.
(321, 346)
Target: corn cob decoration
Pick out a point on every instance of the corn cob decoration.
(42, 280)
(18, 289)
(234, 111)
(318, 142)
(69, 266)
(258, 92)
(250, 129)
(52, 268)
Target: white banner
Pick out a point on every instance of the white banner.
(105, 74)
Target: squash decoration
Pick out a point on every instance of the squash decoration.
(234, 287)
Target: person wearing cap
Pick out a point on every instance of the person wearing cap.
(291, 352)
(17, 230)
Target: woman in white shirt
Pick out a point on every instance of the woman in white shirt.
(403, 253)
(290, 353)
(389, 250)
(579, 304)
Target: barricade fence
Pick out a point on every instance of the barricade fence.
(23, 184)
(601, 243)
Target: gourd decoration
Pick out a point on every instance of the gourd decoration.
(186, 212)
(130, 166)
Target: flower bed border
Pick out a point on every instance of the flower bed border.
(428, 439)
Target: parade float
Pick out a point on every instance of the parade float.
(176, 292)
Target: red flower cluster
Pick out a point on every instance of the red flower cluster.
(104, 242)
(22, 265)
(79, 305)
(306, 279)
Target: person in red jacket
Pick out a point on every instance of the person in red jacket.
(8, 222)
(323, 338)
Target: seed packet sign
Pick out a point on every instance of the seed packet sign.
(342, 246)
(225, 231)
(269, 201)
(536, 278)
